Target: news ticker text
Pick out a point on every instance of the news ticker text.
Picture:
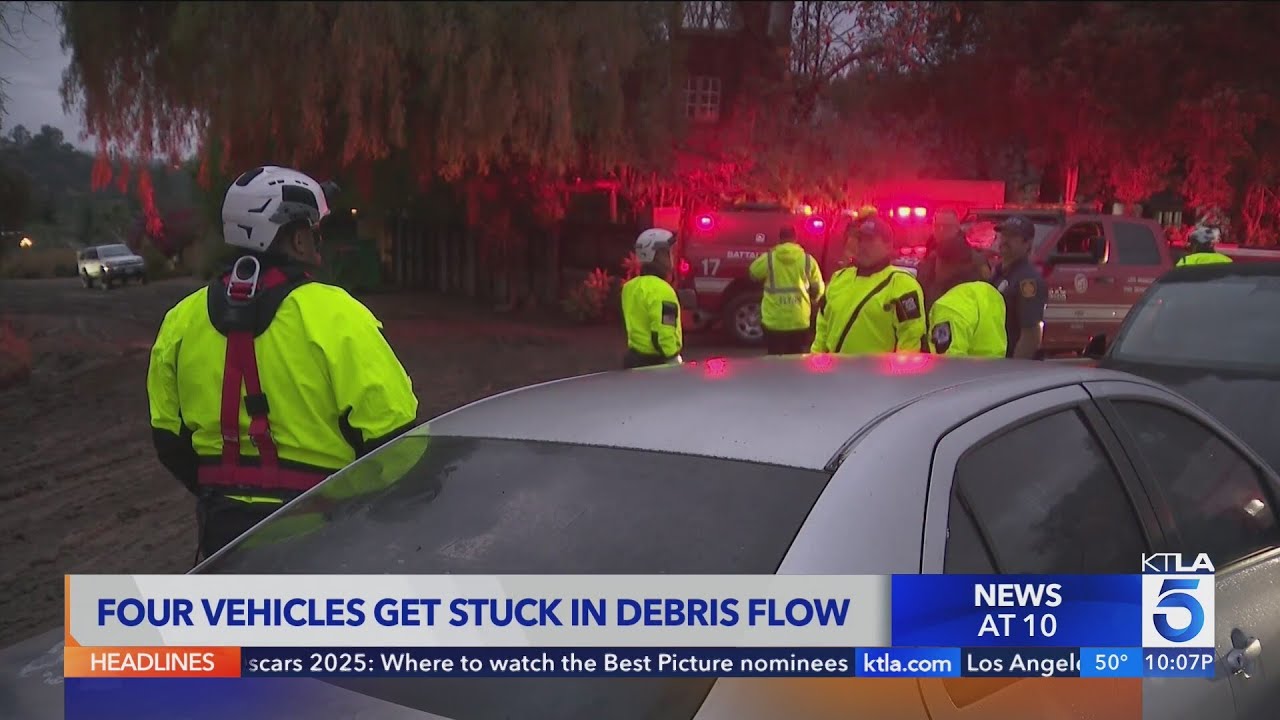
(561, 662)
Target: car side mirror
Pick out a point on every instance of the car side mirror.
(1097, 346)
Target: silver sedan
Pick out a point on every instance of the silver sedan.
(803, 465)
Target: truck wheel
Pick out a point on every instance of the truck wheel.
(741, 320)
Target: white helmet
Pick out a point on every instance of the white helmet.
(1204, 235)
(265, 199)
(651, 241)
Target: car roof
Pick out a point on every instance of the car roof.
(793, 411)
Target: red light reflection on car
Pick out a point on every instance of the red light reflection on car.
(907, 363)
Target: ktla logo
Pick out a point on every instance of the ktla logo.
(1177, 601)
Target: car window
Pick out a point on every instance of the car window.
(1135, 244)
(1046, 499)
(1215, 495)
(113, 251)
(90, 254)
(463, 505)
(965, 553)
(1181, 323)
(1078, 239)
(980, 231)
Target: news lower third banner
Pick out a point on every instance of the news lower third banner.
(389, 626)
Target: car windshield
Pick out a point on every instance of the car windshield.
(981, 231)
(107, 251)
(1181, 323)
(463, 505)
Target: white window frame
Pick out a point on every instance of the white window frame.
(702, 95)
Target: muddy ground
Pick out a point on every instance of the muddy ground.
(80, 488)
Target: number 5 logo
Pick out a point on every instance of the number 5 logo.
(1172, 596)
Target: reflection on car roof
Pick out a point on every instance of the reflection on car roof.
(795, 411)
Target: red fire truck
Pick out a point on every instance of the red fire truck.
(717, 245)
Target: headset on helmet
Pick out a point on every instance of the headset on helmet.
(267, 198)
(651, 241)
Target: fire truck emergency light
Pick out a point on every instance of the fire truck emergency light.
(705, 222)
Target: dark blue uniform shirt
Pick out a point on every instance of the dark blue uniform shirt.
(1025, 294)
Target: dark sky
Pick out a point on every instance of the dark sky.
(34, 70)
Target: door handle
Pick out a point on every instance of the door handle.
(1244, 655)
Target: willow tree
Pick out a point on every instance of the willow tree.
(442, 88)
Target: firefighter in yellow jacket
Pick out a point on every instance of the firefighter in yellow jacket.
(1200, 243)
(967, 319)
(650, 309)
(792, 285)
(873, 307)
(265, 382)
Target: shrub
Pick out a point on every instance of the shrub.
(587, 302)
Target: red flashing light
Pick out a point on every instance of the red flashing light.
(705, 222)
(921, 212)
(920, 251)
(903, 212)
(816, 225)
(684, 267)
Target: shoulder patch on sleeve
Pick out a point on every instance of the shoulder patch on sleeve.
(941, 337)
(670, 313)
(908, 306)
(1027, 288)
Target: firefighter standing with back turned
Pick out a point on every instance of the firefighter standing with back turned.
(967, 319)
(792, 285)
(650, 309)
(872, 307)
(1200, 243)
(264, 382)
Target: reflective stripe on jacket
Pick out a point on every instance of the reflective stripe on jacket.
(880, 311)
(792, 283)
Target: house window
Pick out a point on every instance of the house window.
(702, 98)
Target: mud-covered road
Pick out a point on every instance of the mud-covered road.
(80, 489)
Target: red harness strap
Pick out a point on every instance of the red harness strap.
(241, 370)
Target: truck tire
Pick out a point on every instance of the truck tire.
(741, 319)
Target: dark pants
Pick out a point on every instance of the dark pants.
(787, 342)
(219, 520)
(634, 359)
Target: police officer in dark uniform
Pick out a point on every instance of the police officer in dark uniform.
(1022, 286)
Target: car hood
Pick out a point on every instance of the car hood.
(1248, 403)
(122, 260)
